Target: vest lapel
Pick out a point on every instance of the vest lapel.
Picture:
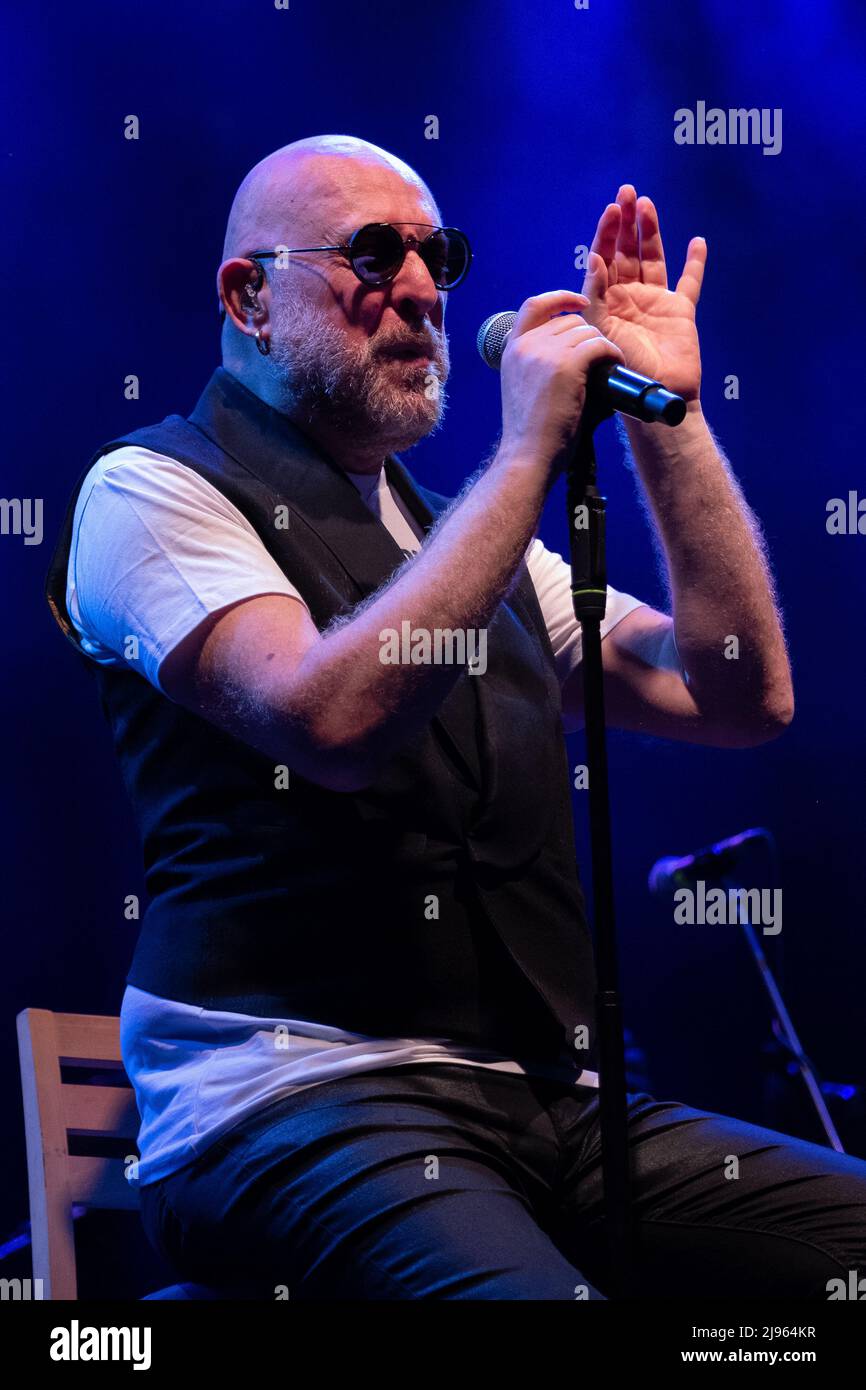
(298, 476)
(460, 716)
(270, 447)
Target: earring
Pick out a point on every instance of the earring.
(263, 344)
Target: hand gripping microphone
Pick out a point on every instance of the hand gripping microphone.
(624, 390)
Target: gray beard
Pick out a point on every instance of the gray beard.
(370, 398)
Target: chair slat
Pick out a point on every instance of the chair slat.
(83, 1037)
(107, 1111)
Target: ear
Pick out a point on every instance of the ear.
(239, 281)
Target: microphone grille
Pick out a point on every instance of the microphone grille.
(492, 335)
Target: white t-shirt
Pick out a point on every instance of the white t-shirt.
(155, 550)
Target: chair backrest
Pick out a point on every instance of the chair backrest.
(56, 1110)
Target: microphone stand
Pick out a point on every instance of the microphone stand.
(783, 1027)
(586, 526)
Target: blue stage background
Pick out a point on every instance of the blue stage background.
(110, 248)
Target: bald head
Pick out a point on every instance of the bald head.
(306, 187)
(360, 367)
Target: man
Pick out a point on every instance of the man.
(359, 1017)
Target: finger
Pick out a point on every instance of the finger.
(584, 333)
(595, 348)
(652, 253)
(578, 333)
(692, 277)
(627, 245)
(604, 241)
(563, 322)
(597, 278)
(541, 307)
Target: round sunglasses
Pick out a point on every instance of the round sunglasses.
(377, 251)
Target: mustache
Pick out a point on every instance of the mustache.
(426, 343)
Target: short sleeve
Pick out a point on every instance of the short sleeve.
(551, 576)
(155, 550)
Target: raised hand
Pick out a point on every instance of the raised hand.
(630, 303)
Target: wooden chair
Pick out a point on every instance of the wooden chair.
(56, 1110)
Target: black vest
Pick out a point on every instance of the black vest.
(442, 901)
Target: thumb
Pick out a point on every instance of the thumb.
(596, 280)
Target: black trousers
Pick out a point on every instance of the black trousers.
(451, 1182)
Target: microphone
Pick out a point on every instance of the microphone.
(672, 873)
(625, 391)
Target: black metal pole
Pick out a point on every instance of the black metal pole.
(586, 511)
